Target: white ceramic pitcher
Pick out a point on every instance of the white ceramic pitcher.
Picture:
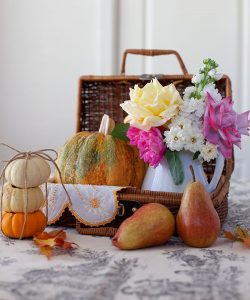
(160, 178)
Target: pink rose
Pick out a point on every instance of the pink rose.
(150, 144)
(223, 126)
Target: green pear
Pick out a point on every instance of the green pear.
(197, 221)
(151, 225)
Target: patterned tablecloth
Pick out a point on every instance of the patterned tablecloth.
(97, 270)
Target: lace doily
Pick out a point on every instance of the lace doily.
(91, 204)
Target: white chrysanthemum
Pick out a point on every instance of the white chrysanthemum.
(200, 108)
(195, 140)
(198, 123)
(193, 106)
(186, 134)
(190, 117)
(174, 138)
(208, 151)
(181, 122)
(210, 88)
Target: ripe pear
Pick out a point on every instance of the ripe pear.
(197, 222)
(151, 225)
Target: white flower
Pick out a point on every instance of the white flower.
(188, 106)
(181, 122)
(191, 117)
(200, 108)
(174, 138)
(188, 91)
(212, 72)
(194, 140)
(211, 89)
(193, 106)
(218, 76)
(208, 151)
(197, 123)
(197, 78)
(203, 67)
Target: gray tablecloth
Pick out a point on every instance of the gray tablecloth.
(97, 270)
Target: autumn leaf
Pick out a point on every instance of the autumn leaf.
(58, 233)
(240, 234)
(47, 241)
(229, 235)
(46, 250)
(247, 242)
(68, 245)
(50, 242)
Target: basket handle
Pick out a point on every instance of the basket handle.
(152, 52)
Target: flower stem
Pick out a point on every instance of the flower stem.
(192, 171)
(209, 65)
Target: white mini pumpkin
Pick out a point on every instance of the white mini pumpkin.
(38, 171)
(14, 199)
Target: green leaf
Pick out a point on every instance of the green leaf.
(196, 155)
(120, 131)
(175, 165)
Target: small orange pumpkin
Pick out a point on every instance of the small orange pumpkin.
(12, 224)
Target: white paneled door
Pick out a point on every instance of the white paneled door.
(197, 29)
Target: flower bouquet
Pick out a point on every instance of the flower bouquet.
(161, 123)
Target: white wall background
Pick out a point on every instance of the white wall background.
(45, 45)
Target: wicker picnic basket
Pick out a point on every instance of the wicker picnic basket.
(103, 94)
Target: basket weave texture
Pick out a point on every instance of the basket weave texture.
(103, 94)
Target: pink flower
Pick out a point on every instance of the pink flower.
(133, 134)
(150, 144)
(223, 126)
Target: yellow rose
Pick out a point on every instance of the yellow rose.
(151, 106)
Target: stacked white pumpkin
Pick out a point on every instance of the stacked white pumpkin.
(22, 197)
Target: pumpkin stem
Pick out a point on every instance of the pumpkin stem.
(107, 125)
